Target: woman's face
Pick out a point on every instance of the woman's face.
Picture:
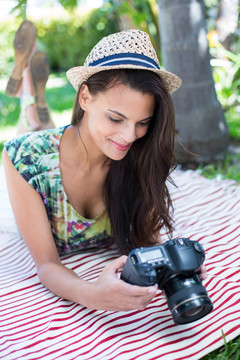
(114, 119)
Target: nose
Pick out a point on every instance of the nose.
(129, 134)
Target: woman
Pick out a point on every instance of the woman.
(101, 180)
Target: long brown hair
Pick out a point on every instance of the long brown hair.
(135, 191)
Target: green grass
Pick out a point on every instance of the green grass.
(232, 118)
(227, 169)
(230, 351)
(60, 100)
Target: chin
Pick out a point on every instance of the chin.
(117, 158)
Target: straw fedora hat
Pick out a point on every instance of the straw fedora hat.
(130, 49)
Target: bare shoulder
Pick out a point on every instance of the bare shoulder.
(30, 215)
(12, 175)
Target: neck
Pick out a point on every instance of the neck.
(93, 156)
(79, 151)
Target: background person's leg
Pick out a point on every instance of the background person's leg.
(28, 81)
(29, 119)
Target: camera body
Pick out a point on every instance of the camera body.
(147, 266)
(174, 266)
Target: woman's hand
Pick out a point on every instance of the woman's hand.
(203, 272)
(111, 293)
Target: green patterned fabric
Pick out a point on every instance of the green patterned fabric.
(36, 157)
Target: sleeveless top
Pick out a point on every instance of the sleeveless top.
(36, 157)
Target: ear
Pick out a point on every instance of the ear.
(84, 97)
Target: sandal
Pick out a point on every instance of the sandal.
(23, 43)
(40, 69)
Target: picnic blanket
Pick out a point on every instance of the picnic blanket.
(36, 324)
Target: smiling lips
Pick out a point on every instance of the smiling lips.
(121, 147)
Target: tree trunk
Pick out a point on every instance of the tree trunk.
(200, 122)
(124, 22)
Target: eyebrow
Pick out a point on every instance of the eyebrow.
(125, 117)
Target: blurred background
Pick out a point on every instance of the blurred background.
(199, 40)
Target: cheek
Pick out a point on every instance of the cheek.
(99, 128)
(141, 132)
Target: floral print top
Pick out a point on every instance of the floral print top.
(36, 157)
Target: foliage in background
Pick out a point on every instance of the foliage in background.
(20, 8)
(226, 74)
(138, 14)
(67, 41)
(82, 33)
(7, 31)
(227, 169)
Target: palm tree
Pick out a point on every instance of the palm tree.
(200, 122)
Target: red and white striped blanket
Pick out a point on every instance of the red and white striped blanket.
(36, 324)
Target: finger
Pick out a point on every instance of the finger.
(203, 273)
(139, 302)
(116, 265)
(135, 290)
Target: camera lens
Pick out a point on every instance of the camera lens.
(187, 298)
(194, 311)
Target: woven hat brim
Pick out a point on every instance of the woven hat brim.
(77, 75)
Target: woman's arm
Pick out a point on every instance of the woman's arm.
(107, 293)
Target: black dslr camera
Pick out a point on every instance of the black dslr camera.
(174, 266)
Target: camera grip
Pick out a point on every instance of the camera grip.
(139, 274)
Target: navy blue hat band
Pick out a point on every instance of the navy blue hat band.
(126, 59)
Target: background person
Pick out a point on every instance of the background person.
(28, 80)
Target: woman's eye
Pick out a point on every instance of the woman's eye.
(114, 120)
(142, 124)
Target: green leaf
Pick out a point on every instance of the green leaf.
(20, 9)
(69, 5)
